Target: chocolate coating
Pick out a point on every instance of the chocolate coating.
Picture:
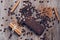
(33, 25)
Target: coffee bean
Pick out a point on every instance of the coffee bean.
(1, 1)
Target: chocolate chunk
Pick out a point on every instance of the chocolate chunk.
(34, 26)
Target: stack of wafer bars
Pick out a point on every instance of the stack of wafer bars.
(15, 26)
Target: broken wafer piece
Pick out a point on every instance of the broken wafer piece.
(15, 6)
(47, 11)
(56, 13)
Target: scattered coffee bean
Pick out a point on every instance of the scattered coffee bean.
(1, 1)
(1, 24)
(10, 36)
